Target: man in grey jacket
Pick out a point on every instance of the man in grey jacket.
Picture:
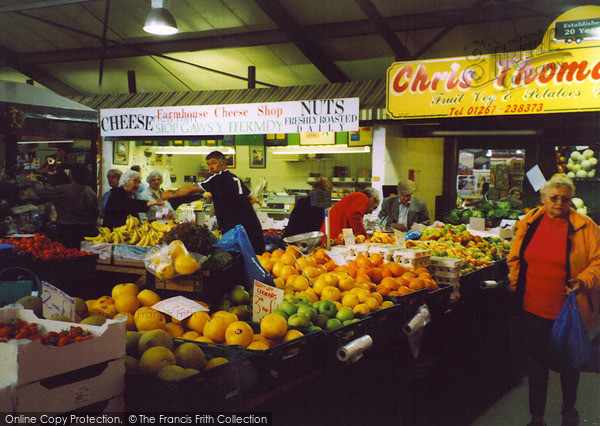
(403, 210)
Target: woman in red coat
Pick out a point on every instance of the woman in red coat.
(350, 211)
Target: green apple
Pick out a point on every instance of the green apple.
(225, 305)
(328, 308)
(289, 298)
(304, 300)
(317, 305)
(315, 328)
(350, 321)
(333, 324)
(345, 314)
(242, 312)
(282, 313)
(321, 320)
(238, 287)
(299, 320)
(240, 296)
(310, 312)
(288, 307)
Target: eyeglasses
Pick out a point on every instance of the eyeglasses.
(556, 198)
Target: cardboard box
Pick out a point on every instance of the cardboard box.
(32, 361)
(73, 390)
(6, 403)
(103, 250)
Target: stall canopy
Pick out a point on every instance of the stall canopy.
(40, 103)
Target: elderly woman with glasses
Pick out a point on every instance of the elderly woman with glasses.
(555, 251)
(121, 201)
(152, 193)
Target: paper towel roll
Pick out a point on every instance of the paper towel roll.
(355, 348)
(420, 320)
(488, 284)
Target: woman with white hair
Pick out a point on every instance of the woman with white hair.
(152, 193)
(555, 251)
(122, 202)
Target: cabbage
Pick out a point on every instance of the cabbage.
(578, 202)
(582, 210)
(575, 155)
(581, 174)
(576, 168)
(570, 175)
(585, 164)
(588, 153)
(570, 165)
(591, 173)
(593, 161)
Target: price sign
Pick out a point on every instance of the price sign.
(400, 239)
(336, 257)
(265, 300)
(57, 302)
(348, 236)
(179, 307)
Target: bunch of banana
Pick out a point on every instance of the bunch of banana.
(102, 237)
(134, 232)
(132, 222)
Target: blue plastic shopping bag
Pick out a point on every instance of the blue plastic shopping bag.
(570, 346)
(236, 240)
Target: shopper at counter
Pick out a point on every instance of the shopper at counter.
(304, 217)
(350, 211)
(113, 176)
(555, 251)
(231, 198)
(76, 207)
(154, 192)
(143, 186)
(121, 201)
(403, 210)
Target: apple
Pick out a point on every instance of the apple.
(333, 324)
(321, 320)
(281, 312)
(303, 300)
(310, 312)
(288, 307)
(328, 308)
(299, 320)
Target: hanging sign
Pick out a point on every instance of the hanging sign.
(562, 75)
(323, 115)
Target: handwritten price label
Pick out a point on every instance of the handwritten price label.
(57, 302)
(179, 307)
(400, 239)
(265, 300)
(348, 236)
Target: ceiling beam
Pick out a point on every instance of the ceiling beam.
(297, 35)
(37, 74)
(222, 40)
(40, 5)
(381, 26)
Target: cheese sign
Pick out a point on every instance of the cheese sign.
(56, 302)
(265, 300)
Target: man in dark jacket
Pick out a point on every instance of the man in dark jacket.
(403, 210)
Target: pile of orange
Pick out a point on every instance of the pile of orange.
(317, 277)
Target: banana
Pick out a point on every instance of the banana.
(145, 226)
(160, 227)
(135, 221)
(121, 228)
(135, 237)
(143, 241)
(128, 223)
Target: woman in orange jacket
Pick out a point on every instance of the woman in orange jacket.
(555, 251)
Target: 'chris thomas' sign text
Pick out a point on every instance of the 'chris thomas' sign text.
(324, 115)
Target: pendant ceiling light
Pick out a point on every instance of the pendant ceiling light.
(159, 20)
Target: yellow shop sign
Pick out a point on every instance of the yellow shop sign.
(562, 75)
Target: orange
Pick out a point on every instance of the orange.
(311, 272)
(266, 255)
(372, 303)
(273, 326)
(204, 339)
(129, 323)
(300, 283)
(362, 278)
(239, 333)
(350, 299)
(408, 275)
(376, 259)
(293, 250)
(277, 254)
(108, 311)
(260, 338)
(330, 278)
(425, 276)
(190, 335)
(276, 269)
(331, 265)
(303, 262)
(311, 294)
(376, 275)
(124, 288)
(312, 261)
(386, 304)
(258, 346)
(197, 321)
(431, 285)
(90, 304)
(383, 289)
(148, 298)
(175, 330)
(291, 279)
(288, 259)
(363, 294)
(390, 282)
(362, 260)
(385, 272)
(149, 319)
(402, 281)
(395, 268)
(286, 271)
(331, 293)
(365, 270)
(416, 284)
(127, 302)
(420, 271)
(215, 329)
(186, 264)
(279, 283)
(377, 297)
(321, 269)
(345, 282)
(403, 290)
(361, 308)
(319, 285)
(291, 335)
(321, 254)
(352, 271)
(104, 300)
(230, 317)
(266, 263)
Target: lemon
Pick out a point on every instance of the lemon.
(149, 319)
(239, 333)
(185, 264)
(148, 298)
(273, 326)
(155, 359)
(215, 329)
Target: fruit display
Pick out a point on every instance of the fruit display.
(455, 241)
(376, 237)
(134, 232)
(492, 211)
(18, 329)
(580, 205)
(359, 285)
(238, 301)
(43, 248)
(576, 163)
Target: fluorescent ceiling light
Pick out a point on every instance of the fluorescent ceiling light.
(484, 132)
(160, 21)
(320, 149)
(193, 150)
(32, 142)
